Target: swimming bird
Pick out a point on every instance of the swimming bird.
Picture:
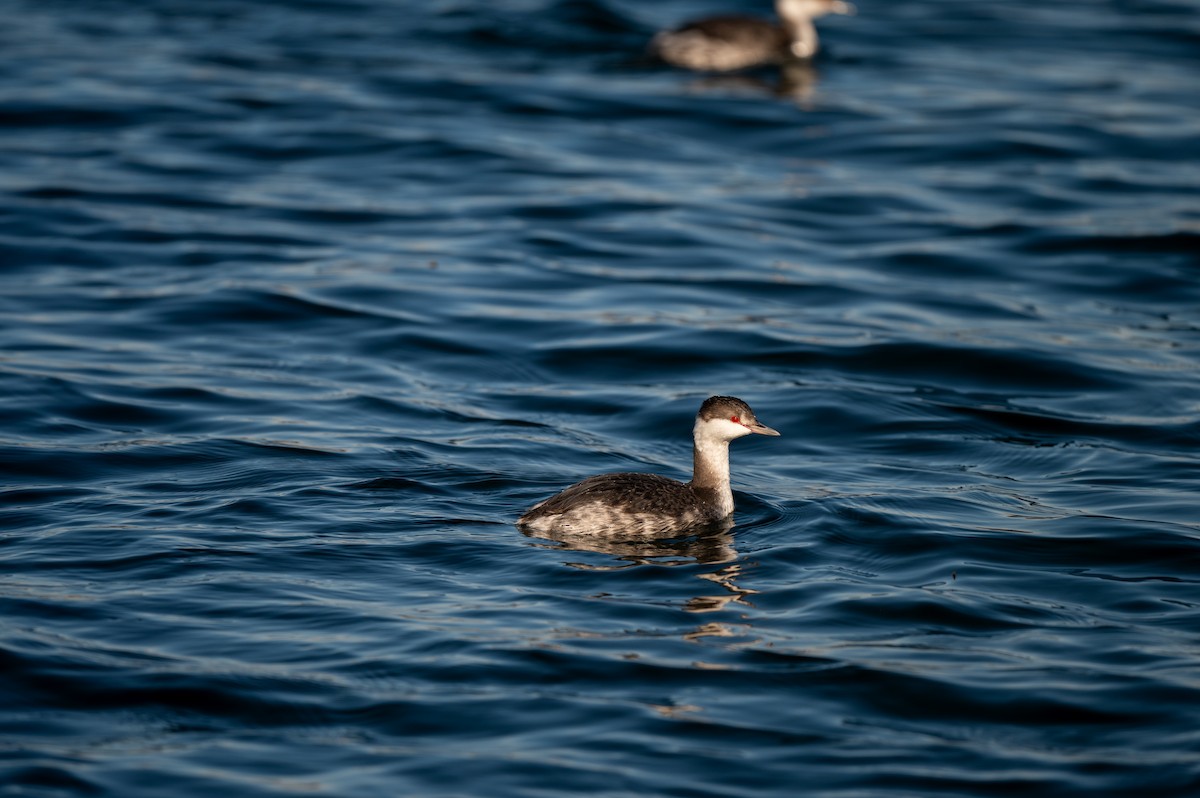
(726, 43)
(647, 504)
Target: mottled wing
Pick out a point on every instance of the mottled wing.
(722, 44)
(636, 492)
(612, 503)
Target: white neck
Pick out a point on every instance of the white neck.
(797, 17)
(804, 37)
(710, 465)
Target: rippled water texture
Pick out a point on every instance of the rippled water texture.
(303, 302)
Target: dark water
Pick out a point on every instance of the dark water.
(302, 303)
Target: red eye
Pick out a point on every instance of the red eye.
(735, 419)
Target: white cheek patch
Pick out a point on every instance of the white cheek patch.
(728, 429)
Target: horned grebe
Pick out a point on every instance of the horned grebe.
(721, 44)
(647, 504)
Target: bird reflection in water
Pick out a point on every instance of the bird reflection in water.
(794, 82)
(708, 545)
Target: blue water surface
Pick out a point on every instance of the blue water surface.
(303, 302)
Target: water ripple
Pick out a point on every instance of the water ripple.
(304, 302)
